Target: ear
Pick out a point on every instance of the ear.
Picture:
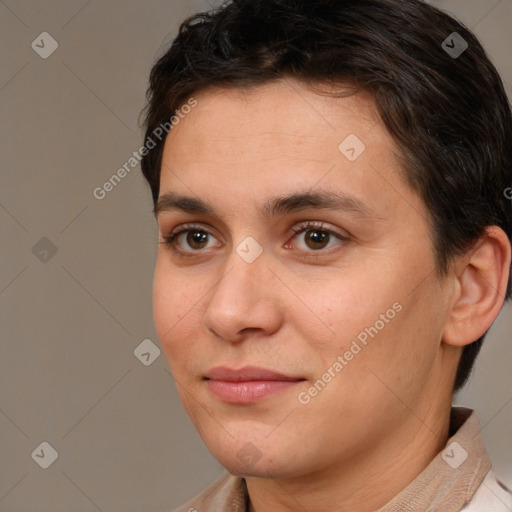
(481, 284)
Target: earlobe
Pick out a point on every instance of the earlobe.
(482, 276)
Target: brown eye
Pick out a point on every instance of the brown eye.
(196, 239)
(189, 239)
(316, 239)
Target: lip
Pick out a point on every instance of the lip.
(248, 384)
(247, 373)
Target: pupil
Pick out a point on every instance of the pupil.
(317, 237)
(197, 237)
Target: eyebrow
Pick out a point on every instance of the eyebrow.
(274, 207)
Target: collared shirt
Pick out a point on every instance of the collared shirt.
(458, 479)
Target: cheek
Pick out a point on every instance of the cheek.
(344, 307)
(375, 315)
(172, 309)
(404, 354)
(164, 301)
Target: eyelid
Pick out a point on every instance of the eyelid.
(189, 227)
(320, 226)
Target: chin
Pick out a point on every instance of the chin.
(245, 459)
(264, 468)
(253, 448)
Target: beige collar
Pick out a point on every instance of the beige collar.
(451, 479)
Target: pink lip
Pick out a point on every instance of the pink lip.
(248, 384)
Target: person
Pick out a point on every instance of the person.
(334, 244)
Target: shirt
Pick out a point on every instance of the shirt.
(458, 479)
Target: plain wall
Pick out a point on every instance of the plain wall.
(71, 323)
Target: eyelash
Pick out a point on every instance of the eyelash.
(170, 240)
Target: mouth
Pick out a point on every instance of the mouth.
(249, 384)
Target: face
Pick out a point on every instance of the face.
(296, 299)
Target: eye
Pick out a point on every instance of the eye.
(193, 236)
(317, 237)
(189, 239)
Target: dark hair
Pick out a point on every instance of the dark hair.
(449, 114)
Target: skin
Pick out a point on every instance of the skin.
(297, 307)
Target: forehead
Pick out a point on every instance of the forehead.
(273, 138)
(240, 125)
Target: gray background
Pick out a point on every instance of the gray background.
(70, 324)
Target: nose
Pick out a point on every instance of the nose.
(244, 300)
